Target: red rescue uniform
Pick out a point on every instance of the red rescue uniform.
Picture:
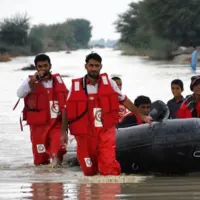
(95, 116)
(43, 113)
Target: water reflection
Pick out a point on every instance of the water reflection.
(61, 191)
(159, 188)
(106, 191)
(46, 191)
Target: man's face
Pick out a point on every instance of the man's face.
(43, 66)
(144, 109)
(196, 89)
(119, 84)
(93, 68)
(176, 90)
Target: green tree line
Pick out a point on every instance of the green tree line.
(159, 26)
(17, 37)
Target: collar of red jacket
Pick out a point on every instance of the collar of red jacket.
(89, 82)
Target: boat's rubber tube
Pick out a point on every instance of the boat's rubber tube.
(169, 146)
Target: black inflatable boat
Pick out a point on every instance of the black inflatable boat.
(168, 146)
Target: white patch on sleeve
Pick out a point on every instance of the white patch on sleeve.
(88, 162)
(76, 86)
(105, 80)
(54, 109)
(41, 148)
(59, 79)
(97, 117)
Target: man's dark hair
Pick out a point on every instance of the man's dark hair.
(178, 82)
(42, 57)
(93, 56)
(141, 100)
(115, 78)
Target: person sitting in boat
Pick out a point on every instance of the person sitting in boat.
(175, 103)
(191, 105)
(143, 103)
(122, 108)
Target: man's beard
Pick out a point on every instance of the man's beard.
(94, 76)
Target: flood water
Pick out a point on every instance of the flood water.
(19, 179)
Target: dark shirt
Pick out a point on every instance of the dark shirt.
(128, 121)
(174, 106)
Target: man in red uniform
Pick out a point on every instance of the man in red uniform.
(191, 105)
(92, 109)
(44, 111)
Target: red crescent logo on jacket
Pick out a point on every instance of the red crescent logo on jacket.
(55, 107)
(98, 115)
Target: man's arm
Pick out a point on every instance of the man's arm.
(130, 106)
(24, 89)
(128, 103)
(64, 121)
(27, 86)
(64, 128)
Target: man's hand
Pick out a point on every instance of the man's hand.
(146, 119)
(64, 138)
(37, 74)
(34, 78)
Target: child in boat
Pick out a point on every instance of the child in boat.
(175, 103)
(143, 103)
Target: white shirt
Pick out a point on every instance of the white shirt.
(25, 89)
(93, 89)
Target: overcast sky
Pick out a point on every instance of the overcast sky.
(101, 13)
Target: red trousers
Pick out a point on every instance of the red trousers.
(96, 153)
(46, 143)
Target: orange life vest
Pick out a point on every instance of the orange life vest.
(87, 112)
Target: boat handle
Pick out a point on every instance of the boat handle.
(196, 154)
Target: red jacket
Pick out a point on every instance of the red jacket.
(42, 104)
(89, 112)
(189, 108)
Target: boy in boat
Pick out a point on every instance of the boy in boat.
(143, 103)
(175, 103)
